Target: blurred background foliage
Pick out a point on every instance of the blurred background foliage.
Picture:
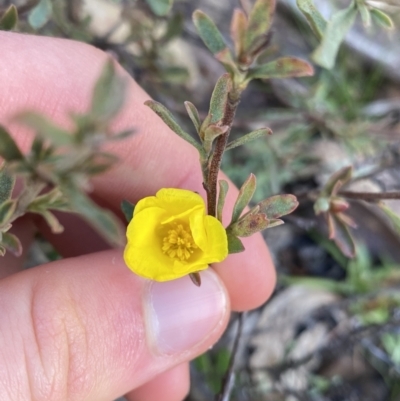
(332, 328)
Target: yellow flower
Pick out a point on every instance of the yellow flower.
(170, 236)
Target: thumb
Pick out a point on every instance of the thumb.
(86, 328)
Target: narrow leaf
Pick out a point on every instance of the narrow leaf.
(238, 30)
(7, 209)
(249, 225)
(277, 206)
(394, 218)
(193, 114)
(209, 32)
(7, 182)
(127, 209)
(284, 67)
(313, 16)
(365, 13)
(168, 118)
(45, 128)
(8, 149)
(262, 132)
(12, 244)
(109, 93)
(223, 190)
(337, 180)
(343, 238)
(219, 98)
(40, 14)
(101, 219)
(259, 22)
(160, 7)
(244, 197)
(382, 18)
(336, 30)
(174, 27)
(52, 221)
(234, 243)
(9, 19)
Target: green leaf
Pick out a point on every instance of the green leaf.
(238, 30)
(277, 206)
(219, 99)
(8, 149)
(52, 221)
(211, 133)
(45, 128)
(127, 209)
(284, 67)
(174, 27)
(365, 13)
(259, 22)
(101, 219)
(53, 199)
(382, 18)
(313, 16)
(234, 244)
(193, 114)
(249, 225)
(209, 32)
(40, 14)
(259, 133)
(336, 181)
(109, 93)
(244, 197)
(160, 7)
(394, 218)
(342, 237)
(9, 19)
(7, 209)
(12, 244)
(7, 182)
(168, 118)
(223, 190)
(336, 30)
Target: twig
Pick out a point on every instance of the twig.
(370, 196)
(227, 382)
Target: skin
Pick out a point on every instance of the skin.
(50, 313)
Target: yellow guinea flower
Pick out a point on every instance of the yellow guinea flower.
(170, 236)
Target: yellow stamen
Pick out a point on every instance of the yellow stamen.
(178, 243)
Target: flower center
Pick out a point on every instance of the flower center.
(178, 244)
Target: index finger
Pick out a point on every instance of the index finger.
(56, 76)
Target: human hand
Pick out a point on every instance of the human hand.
(86, 328)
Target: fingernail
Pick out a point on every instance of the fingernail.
(182, 315)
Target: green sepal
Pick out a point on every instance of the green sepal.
(223, 190)
(196, 278)
(45, 128)
(160, 7)
(193, 114)
(9, 19)
(8, 148)
(234, 243)
(127, 209)
(168, 118)
(259, 133)
(284, 67)
(313, 16)
(209, 32)
(336, 30)
(7, 182)
(382, 18)
(259, 23)
(11, 243)
(244, 197)
(109, 93)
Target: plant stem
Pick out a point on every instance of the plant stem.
(370, 196)
(220, 145)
